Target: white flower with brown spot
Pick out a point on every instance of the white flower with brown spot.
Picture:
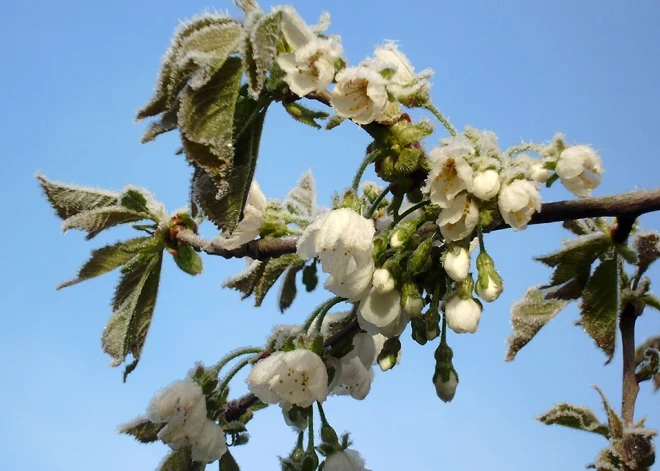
(360, 94)
(518, 201)
(459, 220)
(450, 172)
(580, 169)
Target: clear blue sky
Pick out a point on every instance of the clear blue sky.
(73, 75)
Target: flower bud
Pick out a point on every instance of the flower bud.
(387, 358)
(463, 315)
(420, 260)
(432, 324)
(445, 381)
(486, 184)
(411, 299)
(383, 281)
(489, 283)
(456, 262)
(418, 325)
(401, 234)
(538, 172)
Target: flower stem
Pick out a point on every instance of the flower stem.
(230, 356)
(233, 371)
(324, 421)
(436, 112)
(480, 234)
(412, 209)
(369, 158)
(376, 203)
(513, 150)
(321, 310)
(310, 422)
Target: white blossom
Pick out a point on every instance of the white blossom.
(450, 173)
(413, 306)
(462, 315)
(382, 313)
(456, 262)
(210, 445)
(518, 201)
(386, 219)
(311, 68)
(457, 221)
(383, 281)
(538, 172)
(250, 226)
(491, 292)
(290, 378)
(345, 460)
(486, 184)
(404, 83)
(360, 94)
(354, 379)
(446, 390)
(357, 283)
(580, 169)
(294, 29)
(343, 241)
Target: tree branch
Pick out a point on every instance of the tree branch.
(626, 207)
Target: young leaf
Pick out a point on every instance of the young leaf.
(70, 200)
(181, 460)
(528, 316)
(263, 38)
(168, 84)
(572, 265)
(97, 220)
(167, 122)
(274, 268)
(600, 305)
(228, 463)
(301, 201)
(206, 118)
(305, 115)
(106, 259)
(577, 417)
(651, 342)
(289, 288)
(310, 278)
(133, 307)
(134, 199)
(247, 279)
(188, 260)
(613, 420)
(142, 429)
(647, 246)
(608, 459)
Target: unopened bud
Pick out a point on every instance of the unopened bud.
(538, 172)
(456, 262)
(432, 324)
(445, 381)
(489, 283)
(411, 299)
(389, 354)
(383, 281)
(418, 325)
(421, 260)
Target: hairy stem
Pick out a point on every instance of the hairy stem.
(230, 356)
(370, 158)
(436, 112)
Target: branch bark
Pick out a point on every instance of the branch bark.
(626, 207)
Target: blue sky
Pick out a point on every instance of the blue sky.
(75, 72)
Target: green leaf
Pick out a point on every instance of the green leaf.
(528, 316)
(274, 268)
(174, 73)
(310, 278)
(106, 259)
(133, 199)
(181, 460)
(577, 417)
(608, 459)
(70, 200)
(647, 247)
(188, 260)
(628, 254)
(247, 279)
(289, 288)
(228, 463)
(334, 121)
(301, 201)
(651, 342)
(133, 307)
(97, 220)
(206, 118)
(167, 122)
(600, 305)
(305, 115)
(260, 48)
(572, 265)
(614, 422)
(651, 300)
(650, 367)
(142, 429)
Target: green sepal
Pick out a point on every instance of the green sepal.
(305, 115)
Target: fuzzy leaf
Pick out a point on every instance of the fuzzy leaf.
(577, 417)
(133, 307)
(188, 260)
(134, 200)
(651, 342)
(97, 220)
(228, 463)
(614, 422)
(608, 460)
(647, 247)
(600, 305)
(181, 460)
(106, 259)
(264, 36)
(272, 271)
(142, 429)
(170, 79)
(310, 278)
(528, 316)
(167, 122)
(301, 201)
(572, 265)
(305, 115)
(70, 200)
(289, 288)
(246, 280)
(206, 118)
(651, 300)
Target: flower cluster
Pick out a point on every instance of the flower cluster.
(362, 93)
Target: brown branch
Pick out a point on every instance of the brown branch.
(626, 207)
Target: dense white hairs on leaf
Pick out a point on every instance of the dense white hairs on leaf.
(586, 418)
(323, 23)
(244, 275)
(154, 206)
(126, 426)
(608, 459)
(301, 200)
